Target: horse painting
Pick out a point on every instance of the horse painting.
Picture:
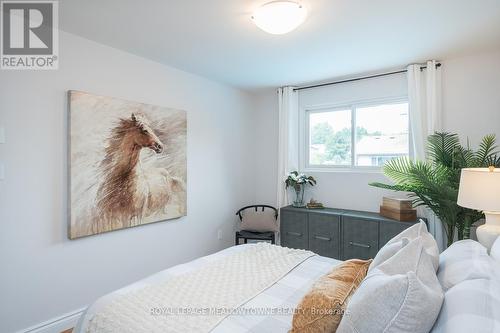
(130, 167)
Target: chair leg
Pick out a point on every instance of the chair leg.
(236, 240)
(245, 240)
(273, 239)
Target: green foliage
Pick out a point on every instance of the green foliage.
(297, 180)
(321, 133)
(337, 144)
(434, 183)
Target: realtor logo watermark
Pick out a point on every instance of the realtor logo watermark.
(29, 35)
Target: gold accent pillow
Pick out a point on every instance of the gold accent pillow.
(322, 308)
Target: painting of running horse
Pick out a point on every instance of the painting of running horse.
(127, 164)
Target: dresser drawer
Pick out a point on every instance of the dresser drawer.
(324, 235)
(391, 229)
(360, 238)
(293, 229)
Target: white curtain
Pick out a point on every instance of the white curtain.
(288, 141)
(424, 96)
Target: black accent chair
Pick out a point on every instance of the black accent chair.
(255, 235)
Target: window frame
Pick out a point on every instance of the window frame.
(304, 133)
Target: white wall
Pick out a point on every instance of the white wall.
(471, 108)
(471, 95)
(42, 273)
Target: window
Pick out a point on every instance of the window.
(359, 135)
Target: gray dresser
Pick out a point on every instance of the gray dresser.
(337, 233)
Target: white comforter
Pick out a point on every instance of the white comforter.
(271, 309)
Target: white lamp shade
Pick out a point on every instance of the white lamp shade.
(480, 189)
(279, 17)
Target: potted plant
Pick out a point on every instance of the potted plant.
(434, 183)
(298, 182)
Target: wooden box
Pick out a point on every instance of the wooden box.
(400, 215)
(397, 203)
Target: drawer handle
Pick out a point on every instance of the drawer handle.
(291, 233)
(359, 245)
(323, 238)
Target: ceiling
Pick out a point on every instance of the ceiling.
(216, 38)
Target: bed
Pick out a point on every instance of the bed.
(459, 289)
(269, 311)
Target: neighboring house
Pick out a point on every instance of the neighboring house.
(376, 150)
(370, 150)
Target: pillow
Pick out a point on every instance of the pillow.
(464, 260)
(402, 294)
(387, 251)
(470, 306)
(416, 230)
(259, 220)
(495, 249)
(322, 307)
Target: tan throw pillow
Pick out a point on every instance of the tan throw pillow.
(259, 220)
(322, 307)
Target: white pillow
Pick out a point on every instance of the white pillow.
(387, 251)
(470, 306)
(495, 249)
(397, 242)
(464, 260)
(401, 294)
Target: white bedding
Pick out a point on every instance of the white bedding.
(271, 310)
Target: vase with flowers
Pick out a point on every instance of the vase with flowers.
(298, 182)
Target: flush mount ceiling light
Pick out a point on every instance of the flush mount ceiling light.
(279, 17)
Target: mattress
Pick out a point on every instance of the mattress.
(270, 311)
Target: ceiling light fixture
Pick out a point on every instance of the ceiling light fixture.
(279, 17)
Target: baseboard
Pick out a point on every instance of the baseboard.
(56, 325)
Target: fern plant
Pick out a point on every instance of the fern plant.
(434, 183)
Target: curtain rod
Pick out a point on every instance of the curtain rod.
(360, 78)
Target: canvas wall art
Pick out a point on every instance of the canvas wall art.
(127, 164)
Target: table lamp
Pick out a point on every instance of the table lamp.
(480, 190)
